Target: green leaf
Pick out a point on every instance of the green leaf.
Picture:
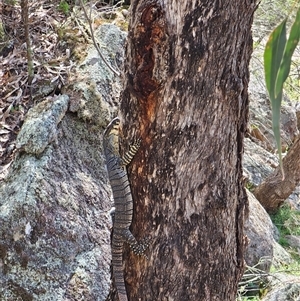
(285, 65)
(272, 60)
(273, 56)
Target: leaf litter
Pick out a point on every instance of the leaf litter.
(55, 50)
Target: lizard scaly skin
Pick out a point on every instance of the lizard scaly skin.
(116, 167)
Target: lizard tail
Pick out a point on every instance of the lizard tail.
(118, 273)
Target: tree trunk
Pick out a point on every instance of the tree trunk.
(273, 190)
(186, 98)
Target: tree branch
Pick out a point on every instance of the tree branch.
(95, 42)
(24, 6)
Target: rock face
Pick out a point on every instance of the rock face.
(284, 288)
(55, 225)
(260, 231)
(40, 126)
(55, 230)
(260, 125)
(258, 163)
(294, 241)
(98, 86)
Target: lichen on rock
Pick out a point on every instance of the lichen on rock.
(56, 198)
(40, 126)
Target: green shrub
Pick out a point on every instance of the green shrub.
(287, 221)
(64, 7)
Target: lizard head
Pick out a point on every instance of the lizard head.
(111, 136)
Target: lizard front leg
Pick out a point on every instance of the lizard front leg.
(128, 156)
(138, 248)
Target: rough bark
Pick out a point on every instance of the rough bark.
(274, 190)
(186, 97)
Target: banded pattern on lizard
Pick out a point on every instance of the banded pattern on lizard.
(116, 167)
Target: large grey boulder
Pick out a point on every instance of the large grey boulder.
(293, 241)
(55, 201)
(260, 123)
(55, 227)
(283, 287)
(262, 235)
(258, 163)
(98, 86)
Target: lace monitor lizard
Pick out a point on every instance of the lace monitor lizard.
(116, 167)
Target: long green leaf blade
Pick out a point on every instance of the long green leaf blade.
(291, 44)
(272, 60)
(273, 56)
